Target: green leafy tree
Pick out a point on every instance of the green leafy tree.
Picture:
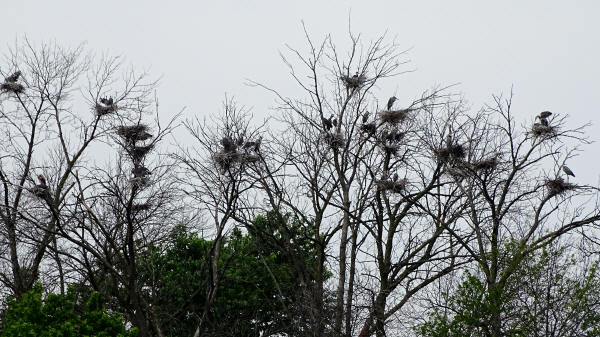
(549, 295)
(260, 291)
(61, 315)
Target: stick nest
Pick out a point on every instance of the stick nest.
(395, 116)
(13, 87)
(134, 133)
(354, 82)
(225, 159)
(449, 153)
(334, 139)
(559, 186)
(102, 109)
(138, 153)
(140, 207)
(369, 128)
(540, 130)
(393, 186)
(249, 158)
(139, 182)
(485, 164)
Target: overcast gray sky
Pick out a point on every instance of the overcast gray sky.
(548, 50)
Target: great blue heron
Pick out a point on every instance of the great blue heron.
(328, 123)
(544, 122)
(14, 77)
(41, 190)
(228, 144)
(106, 101)
(544, 114)
(365, 117)
(140, 171)
(568, 171)
(390, 102)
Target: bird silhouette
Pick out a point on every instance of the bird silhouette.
(14, 77)
(327, 123)
(365, 117)
(390, 102)
(140, 171)
(568, 171)
(228, 144)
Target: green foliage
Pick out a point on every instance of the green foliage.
(61, 316)
(258, 288)
(549, 295)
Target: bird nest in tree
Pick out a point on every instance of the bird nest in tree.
(485, 164)
(102, 109)
(391, 148)
(369, 128)
(540, 130)
(334, 139)
(395, 116)
(225, 159)
(457, 171)
(353, 82)
(134, 133)
(393, 186)
(559, 186)
(137, 153)
(140, 207)
(249, 158)
(12, 87)
(451, 152)
(140, 181)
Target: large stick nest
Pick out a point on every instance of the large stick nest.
(249, 158)
(140, 207)
(487, 164)
(354, 82)
(12, 87)
(138, 153)
(559, 186)
(540, 130)
(393, 186)
(225, 159)
(395, 116)
(334, 139)
(134, 133)
(102, 109)
(451, 152)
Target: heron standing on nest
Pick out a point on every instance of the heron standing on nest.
(390, 102)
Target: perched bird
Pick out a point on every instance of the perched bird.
(14, 77)
(328, 123)
(390, 102)
(365, 117)
(228, 144)
(568, 171)
(544, 114)
(544, 122)
(395, 178)
(448, 140)
(143, 136)
(333, 120)
(41, 190)
(140, 171)
(254, 145)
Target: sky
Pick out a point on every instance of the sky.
(547, 51)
